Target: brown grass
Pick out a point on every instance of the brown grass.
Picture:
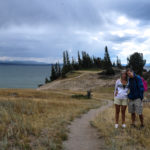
(31, 119)
(34, 119)
(124, 139)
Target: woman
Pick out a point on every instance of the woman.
(120, 98)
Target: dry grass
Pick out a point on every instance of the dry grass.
(85, 81)
(147, 95)
(104, 92)
(124, 139)
(73, 74)
(37, 120)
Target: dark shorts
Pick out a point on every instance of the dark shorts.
(135, 106)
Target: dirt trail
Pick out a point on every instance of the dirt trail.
(82, 135)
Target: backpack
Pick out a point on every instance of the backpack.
(144, 84)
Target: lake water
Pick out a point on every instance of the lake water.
(23, 76)
(147, 68)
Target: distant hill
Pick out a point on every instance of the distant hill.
(147, 64)
(22, 63)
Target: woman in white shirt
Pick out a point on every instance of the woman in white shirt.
(121, 98)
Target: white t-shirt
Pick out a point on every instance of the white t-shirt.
(121, 89)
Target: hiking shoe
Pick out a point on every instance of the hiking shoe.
(133, 126)
(123, 125)
(116, 126)
(141, 126)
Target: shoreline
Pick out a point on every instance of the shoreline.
(35, 88)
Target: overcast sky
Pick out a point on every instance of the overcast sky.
(41, 30)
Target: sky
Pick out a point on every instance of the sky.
(40, 30)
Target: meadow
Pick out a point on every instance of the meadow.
(31, 119)
(124, 139)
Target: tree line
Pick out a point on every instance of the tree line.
(84, 61)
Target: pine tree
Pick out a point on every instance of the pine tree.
(59, 70)
(97, 63)
(46, 80)
(67, 58)
(79, 60)
(87, 62)
(67, 67)
(64, 59)
(136, 62)
(64, 69)
(118, 63)
(114, 64)
(73, 63)
(53, 73)
(107, 63)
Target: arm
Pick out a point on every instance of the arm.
(116, 88)
(141, 87)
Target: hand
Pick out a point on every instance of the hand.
(116, 93)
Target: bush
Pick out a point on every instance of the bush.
(81, 96)
(109, 71)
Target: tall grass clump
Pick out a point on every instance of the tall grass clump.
(124, 139)
(35, 120)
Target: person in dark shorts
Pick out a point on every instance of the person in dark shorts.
(135, 96)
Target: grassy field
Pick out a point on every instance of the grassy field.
(77, 73)
(124, 139)
(31, 119)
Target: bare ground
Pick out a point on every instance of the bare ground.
(85, 81)
(82, 135)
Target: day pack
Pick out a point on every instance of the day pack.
(144, 84)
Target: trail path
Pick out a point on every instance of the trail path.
(82, 135)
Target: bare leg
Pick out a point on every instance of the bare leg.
(133, 116)
(123, 110)
(141, 119)
(117, 113)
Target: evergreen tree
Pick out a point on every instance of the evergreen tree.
(118, 63)
(59, 70)
(114, 64)
(73, 63)
(107, 63)
(97, 62)
(67, 58)
(46, 80)
(86, 60)
(63, 73)
(64, 59)
(67, 67)
(136, 62)
(53, 73)
(79, 60)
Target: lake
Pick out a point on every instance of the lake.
(23, 76)
(147, 68)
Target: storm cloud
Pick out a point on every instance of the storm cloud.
(42, 30)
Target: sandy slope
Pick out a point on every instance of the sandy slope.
(85, 81)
